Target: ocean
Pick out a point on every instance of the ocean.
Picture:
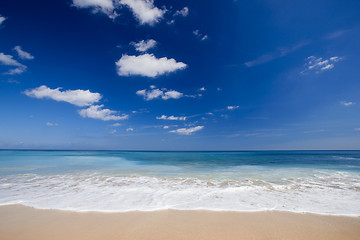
(323, 182)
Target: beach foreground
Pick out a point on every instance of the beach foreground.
(20, 222)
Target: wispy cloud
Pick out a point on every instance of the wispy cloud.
(337, 33)
(115, 125)
(143, 45)
(318, 65)
(164, 117)
(104, 6)
(129, 129)
(282, 52)
(183, 12)
(203, 89)
(346, 104)
(187, 131)
(2, 19)
(23, 54)
(199, 35)
(232, 107)
(163, 93)
(9, 60)
(147, 65)
(49, 124)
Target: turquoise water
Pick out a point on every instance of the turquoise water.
(326, 182)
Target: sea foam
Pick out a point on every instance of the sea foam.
(324, 192)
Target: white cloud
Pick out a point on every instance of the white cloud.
(105, 6)
(172, 94)
(183, 12)
(164, 117)
(49, 124)
(150, 94)
(147, 65)
(78, 97)
(115, 125)
(346, 104)
(2, 19)
(201, 36)
(129, 129)
(9, 61)
(232, 107)
(202, 89)
(318, 65)
(157, 93)
(96, 112)
(143, 46)
(113, 131)
(22, 54)
(357, 129)
(187, 131)
(165, 127)
(15, 71)
(144, 11)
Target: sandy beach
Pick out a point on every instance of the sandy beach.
(19, 223)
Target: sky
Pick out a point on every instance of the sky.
(180, 75)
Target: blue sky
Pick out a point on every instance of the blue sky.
(180, 75)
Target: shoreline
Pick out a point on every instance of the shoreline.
(18, 222)
(181, 210)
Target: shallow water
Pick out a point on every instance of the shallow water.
(326, 182)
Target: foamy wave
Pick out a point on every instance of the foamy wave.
(335, 193)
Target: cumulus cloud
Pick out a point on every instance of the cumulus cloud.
(147, 65)
(187, 131)
(2, 19)
(49, 124)
(143, 46)
(97, 112)
(22, 54)
(202, 89)
(346, 104)
(8, 60)
(232, 107)
(318, 65)
(164, 117)
(199, 35)
(183, 12)
(159, 93)
(78, 97)
(172, 94)
(104, 6)
(144, 11)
